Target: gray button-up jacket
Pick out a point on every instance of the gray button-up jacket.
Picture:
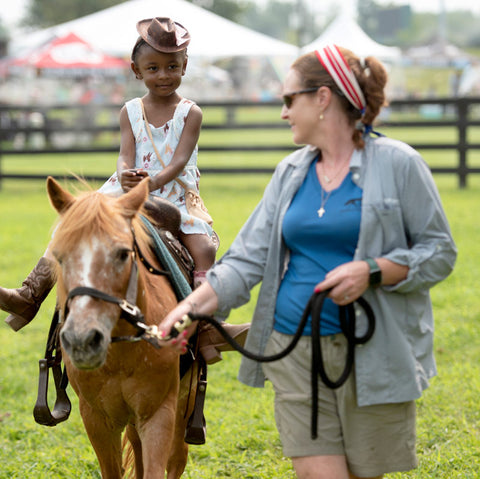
(402, 220)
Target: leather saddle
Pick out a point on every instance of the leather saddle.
(166, 219)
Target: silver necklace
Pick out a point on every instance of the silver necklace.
(324, 199)
(324, 194)
(327, 178)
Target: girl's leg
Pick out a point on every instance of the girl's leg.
(203, 251)
(23, 303)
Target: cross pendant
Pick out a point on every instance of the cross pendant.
(321, 211)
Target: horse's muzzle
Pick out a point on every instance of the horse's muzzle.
(86, 349)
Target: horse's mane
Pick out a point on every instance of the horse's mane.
(93, 214)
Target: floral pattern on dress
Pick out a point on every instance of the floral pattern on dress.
(166, 139)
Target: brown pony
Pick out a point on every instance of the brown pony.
(126, 385)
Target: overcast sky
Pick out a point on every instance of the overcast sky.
(12, 10)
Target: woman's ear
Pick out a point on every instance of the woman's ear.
(324, 95)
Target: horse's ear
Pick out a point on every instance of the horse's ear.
(132, 201)
(61, 199)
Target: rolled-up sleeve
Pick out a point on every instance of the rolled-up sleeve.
(431, 251)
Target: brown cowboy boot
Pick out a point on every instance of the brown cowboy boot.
(211, 343)
(23, 303)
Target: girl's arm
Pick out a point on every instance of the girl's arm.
(126, 159)
(184, 150)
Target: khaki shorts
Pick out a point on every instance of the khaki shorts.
(374, 439)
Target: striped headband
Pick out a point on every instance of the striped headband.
(334, 62)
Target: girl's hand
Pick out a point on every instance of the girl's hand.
(347, 282)
(131, 178)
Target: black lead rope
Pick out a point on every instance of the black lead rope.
(313, 308)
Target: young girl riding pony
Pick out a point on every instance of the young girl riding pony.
(159, 135)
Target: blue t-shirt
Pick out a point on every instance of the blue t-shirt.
(317, 245)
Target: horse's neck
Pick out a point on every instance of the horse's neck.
(155, 295)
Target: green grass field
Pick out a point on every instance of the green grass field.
(242, 441)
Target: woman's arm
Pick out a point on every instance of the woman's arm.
(431, 251)
(202, 300)
(425, 259)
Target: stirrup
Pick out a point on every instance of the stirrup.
(53, 359)
(196, 430)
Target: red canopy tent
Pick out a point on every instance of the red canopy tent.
(70, 55)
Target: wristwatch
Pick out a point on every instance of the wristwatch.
(375, 272)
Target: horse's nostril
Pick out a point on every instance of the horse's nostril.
(64, 340)
(94, 339)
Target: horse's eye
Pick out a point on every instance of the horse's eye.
(123, 254)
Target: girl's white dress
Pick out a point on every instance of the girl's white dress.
(166, 139)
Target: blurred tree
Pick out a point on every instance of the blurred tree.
(291, 21)
(273, 19)
(398, 25)
(3, 39)
(423, 30)
(367, 15)
(45, 13)
(231, 9)
(462, 28)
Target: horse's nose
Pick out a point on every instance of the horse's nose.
(92, 340)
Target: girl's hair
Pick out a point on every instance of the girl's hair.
(136, 48)
(371, 76)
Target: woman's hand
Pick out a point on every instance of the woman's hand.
(347, 282)
(177, 317)
(350, 280)
(203, 301)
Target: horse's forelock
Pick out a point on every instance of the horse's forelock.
(91, 215)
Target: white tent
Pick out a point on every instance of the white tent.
(113, 31)
(345, 32)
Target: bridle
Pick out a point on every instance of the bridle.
(53, 354)
(129, 310)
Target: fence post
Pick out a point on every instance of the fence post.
(462, 111)
(231, 110)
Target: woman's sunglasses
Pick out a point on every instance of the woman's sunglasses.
(288, 99)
